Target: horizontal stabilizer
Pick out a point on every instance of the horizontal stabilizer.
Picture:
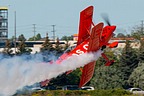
(109, 62)
(113, 45)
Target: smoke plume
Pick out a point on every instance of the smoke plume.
(17, 72)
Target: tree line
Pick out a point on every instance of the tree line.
(21, 47)
(127, 70)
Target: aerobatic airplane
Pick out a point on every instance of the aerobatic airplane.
(91, 38)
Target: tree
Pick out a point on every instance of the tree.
(137, 77)
(76, 74)
(67, 38)
(47, 46)
(58, 48)
(121, 35)
(67, 79)
(140, 41)
(138, 31)
(138, 35)
(31, 39)
(47, 50)
(141, 51)
(37, 37)
(128, 62)
(7, 50)
(22, 49)
(107, 77)
(12, 38)
(21, 38)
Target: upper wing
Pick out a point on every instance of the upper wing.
(95, 38)
(88, 69)
(85, 24)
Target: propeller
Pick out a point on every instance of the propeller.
(106, 18)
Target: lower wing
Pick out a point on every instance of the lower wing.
(87, 73)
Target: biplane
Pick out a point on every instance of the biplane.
(91, 38)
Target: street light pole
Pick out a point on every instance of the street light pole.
(15, 31)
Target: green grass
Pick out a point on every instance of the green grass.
(113, 92)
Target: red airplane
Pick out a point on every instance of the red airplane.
(90, 39)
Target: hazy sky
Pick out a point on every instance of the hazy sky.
(65, 15)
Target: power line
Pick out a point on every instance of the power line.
(53, 31)
(34, 30)
(142, 26)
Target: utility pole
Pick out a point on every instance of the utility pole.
(53, 31)
(142, 27)
(15, 31)
(34, 30)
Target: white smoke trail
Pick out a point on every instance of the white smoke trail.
(17, 72)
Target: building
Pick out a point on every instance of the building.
(3, 24)
(75, 37)
(36, 45)
(122, 42)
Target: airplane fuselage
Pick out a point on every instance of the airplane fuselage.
(83, 47)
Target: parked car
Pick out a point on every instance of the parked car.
(28, 90)
(136, 90)
(37, 89)
(70, 87)
(25, 90)
(49, 87)
(87, 88)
